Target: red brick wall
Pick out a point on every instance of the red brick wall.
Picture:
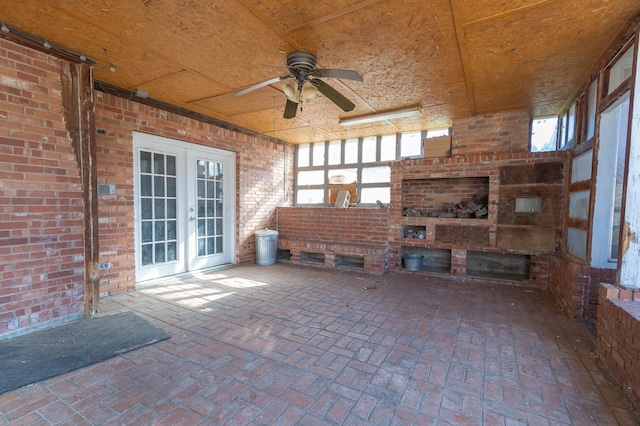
(618, 345)
(575, 286)
(347, 226)
(264, 178)
(491, 133)
(41, 216)
(359, 233)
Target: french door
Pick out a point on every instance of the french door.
(184, 206)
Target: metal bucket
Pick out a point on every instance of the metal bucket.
(412, 261)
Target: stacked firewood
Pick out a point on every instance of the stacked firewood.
(473, 208)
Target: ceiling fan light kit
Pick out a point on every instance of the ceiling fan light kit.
(390, 115)
(304, 81)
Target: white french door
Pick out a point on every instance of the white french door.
(184, 206)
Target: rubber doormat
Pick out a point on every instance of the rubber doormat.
(47, 353)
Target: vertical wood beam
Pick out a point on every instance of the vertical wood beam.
(79, 112)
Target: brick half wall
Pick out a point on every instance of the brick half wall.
(354, 232)
(618, 342)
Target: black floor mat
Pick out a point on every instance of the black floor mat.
(47, 353)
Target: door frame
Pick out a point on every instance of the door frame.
(184, 152)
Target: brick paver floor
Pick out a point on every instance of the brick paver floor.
(285, 344)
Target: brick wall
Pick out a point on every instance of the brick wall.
(359, 233)
(481, 145)
(491, 133)
(41, 216)
(618, 345)
(349, 226)
(264, 179)
(576, 286)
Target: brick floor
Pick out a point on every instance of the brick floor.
(285, 344)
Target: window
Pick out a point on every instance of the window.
(544, 134)
(411, 144)
(609, 182)
(323, 166)
(620, 71)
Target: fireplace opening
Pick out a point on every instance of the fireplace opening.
(460, 197)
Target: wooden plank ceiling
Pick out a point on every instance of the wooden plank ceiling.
(453, 58)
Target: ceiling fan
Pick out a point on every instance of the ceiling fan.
(305, 80)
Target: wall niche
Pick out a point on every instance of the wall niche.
(457, 197)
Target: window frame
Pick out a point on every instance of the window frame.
(360, 166)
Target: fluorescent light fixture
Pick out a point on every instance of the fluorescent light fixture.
(401, 113)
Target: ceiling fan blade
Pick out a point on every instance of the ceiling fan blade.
(259, 85)
(343, 74)
(334, 95)
(290, 109)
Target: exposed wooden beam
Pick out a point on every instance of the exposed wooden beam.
(78, 105)
(128, 94)
(456, 12)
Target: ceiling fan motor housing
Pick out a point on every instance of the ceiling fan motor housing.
(301, 61)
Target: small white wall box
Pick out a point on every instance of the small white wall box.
(343, 198)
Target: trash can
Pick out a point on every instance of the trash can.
(266, 246)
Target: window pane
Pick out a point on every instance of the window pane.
(619, 178)
(171, 165)
(145, 185)
(371, 195)
(303, 155)
(376, 174)
(311, 177)
(310, 196)
(577, 242)
(388, 148)
(571, 126)
(343, 176)
(145, 162)
(335, 152)
(369, 149)
(318, 154)
(621, 70)
(351, 151)
(410, 144)
(544, 134)
(158, 164)
(579, 205)
(581, 167)
(591, 109)
(437, 133)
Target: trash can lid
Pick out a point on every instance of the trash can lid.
(266, 232)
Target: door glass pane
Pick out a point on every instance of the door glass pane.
(145, 162)
(210, 203)
(145, 185)
(171, 187)
(146, 232)
(172, 253)
(158, 235)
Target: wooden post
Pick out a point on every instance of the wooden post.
(79, 112)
